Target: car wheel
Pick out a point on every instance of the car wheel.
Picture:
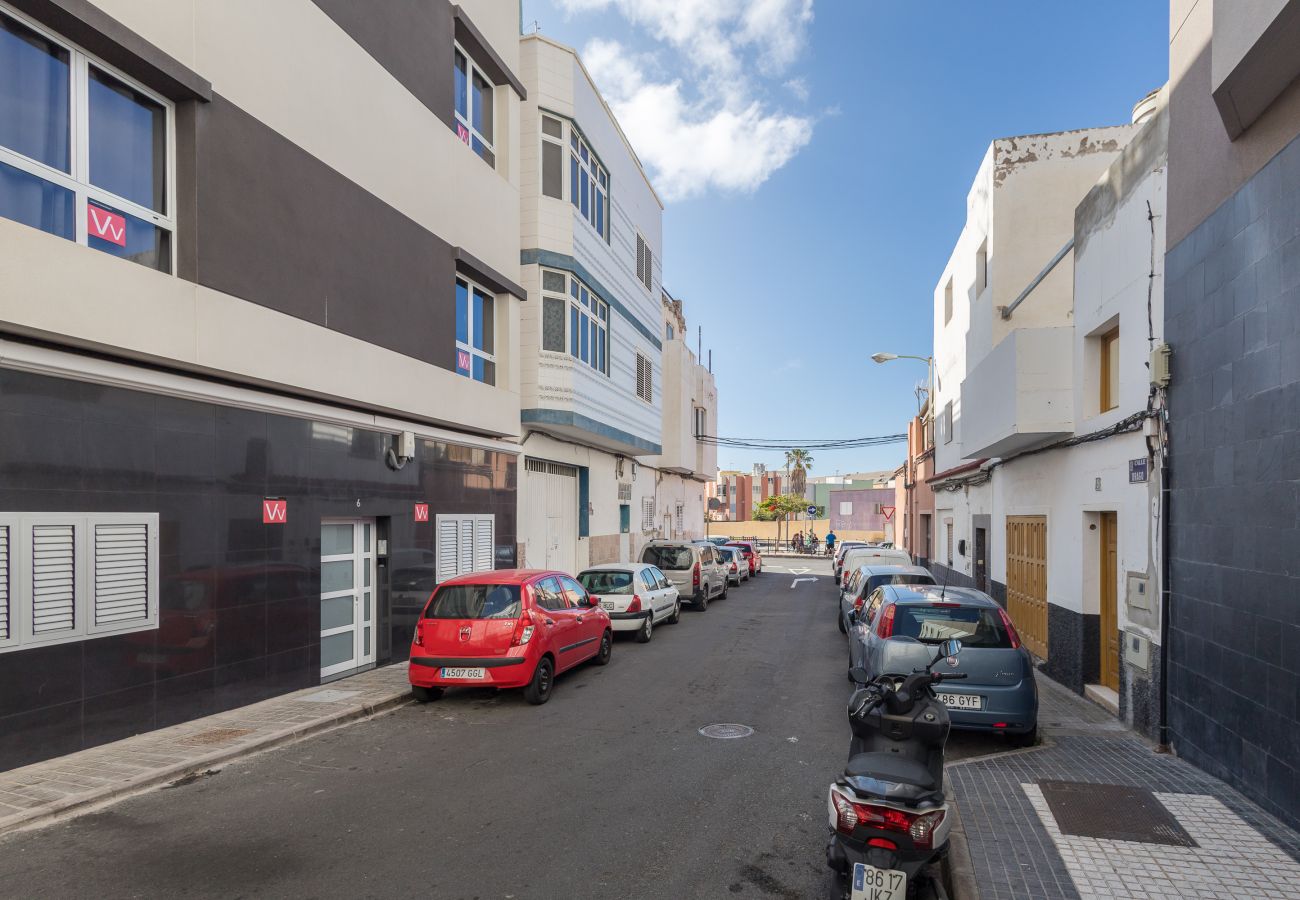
(644, 633)
(725, 586)
(424, 694)
(840, 620)
(538, 690)
(1028, 739)
(703, 602)
(677, 612)
(606, 649)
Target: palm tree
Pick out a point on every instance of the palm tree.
(799, 461)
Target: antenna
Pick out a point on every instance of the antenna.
(947, 570)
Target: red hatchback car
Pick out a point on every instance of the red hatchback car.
(749, 550)
(512, 628)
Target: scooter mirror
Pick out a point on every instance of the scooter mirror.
(950, 647)
(859, 675)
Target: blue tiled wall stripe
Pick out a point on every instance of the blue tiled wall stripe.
(577, 420)
(553, 260)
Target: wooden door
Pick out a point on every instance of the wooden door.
(1027, 580)
(1109, 601)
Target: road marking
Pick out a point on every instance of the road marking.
(799, 571)
(797, 580)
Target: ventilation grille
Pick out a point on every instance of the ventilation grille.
(53, 579)
(121, 573)
(644, 263)
(644, 379)
(4, 582)
(625, 492)
(647, 514)
(550, 468)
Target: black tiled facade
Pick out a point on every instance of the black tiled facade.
(239, 617)
(1233, 318)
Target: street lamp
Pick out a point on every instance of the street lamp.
(881, 358)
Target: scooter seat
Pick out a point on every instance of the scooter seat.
(891, 767)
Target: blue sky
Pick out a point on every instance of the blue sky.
(816, 155)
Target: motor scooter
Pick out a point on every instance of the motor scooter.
(889, 818)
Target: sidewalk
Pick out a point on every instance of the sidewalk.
(44, 791)
(1095, 812)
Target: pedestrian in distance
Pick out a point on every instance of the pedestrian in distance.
(798, 542)
(830, 542)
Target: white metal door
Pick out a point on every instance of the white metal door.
(347, 595)
(551, 515)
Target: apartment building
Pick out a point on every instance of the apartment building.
(611, 397)
(1233, 269)
(259, 346)
(1045, 321)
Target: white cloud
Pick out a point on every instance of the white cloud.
(707, 127)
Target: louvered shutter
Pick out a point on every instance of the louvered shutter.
(466, 546)
(484, 544)
(121, 574)
(448, 544)
(5, 618)
(648, 280)
(640, 259)
(54, 573)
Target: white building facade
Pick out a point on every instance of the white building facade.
(1045, 319)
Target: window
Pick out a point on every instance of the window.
(465, 544)
(598, 581)
(982, 268)
(644, 263)
(474, 123)
(681, 517)
(846, 507)
(68, 577)
(701, 422)
(947, 524)
(668, 331)
(947, 302)
(588, 320)
(84, 152)
(475, 601)
(644, 379)
(552, 157)
(648, 524)
(872, 605)
(549, 594)
(573, 592)
(932, 623)
(947, 422)
(588, 184)
(1108, 371)
(475, 328)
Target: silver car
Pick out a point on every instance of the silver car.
(694, 566)
(899, 627)
(864, 581)
(736, 564)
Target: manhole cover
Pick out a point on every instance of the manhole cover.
(216, 736)
(726, 732)
(1089, 810)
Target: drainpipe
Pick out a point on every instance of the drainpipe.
(1166, 596)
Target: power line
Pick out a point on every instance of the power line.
(810, 444)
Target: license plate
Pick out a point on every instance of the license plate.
(607, 604)
(961, 701)
(449, 672)
(870, 883)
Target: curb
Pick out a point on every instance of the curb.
(72, 806)
(958, 870)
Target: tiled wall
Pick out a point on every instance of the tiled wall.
(240, 607)
(1233, 320)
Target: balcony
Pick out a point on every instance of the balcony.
(1019, 396)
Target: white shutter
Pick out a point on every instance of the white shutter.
(54, 573)
(448, 541)
(484, 544)
(466, 562)
(4, 583)
(121, 574)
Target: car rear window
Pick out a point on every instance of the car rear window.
(877, 580)
(668, 557)
(744, 549)
(475, 601)
(929, 623)
(606, 582)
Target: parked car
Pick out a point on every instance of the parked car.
(864, 581)
(750, 551)
(737, 566)
(695, 567)
(842, 548)
(870, 556)
(899, 627)
(636, 596)
(718, 540)
(510, 628)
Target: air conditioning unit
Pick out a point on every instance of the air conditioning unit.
(1160, 373)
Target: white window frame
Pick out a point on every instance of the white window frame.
(468, 345)
(21, 635)
(441, 573)
(574, 306)
(557, 142)
(592, 167)
(78, 180)
(466, 120)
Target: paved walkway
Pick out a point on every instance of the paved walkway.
(47, 790)
(1095, 812)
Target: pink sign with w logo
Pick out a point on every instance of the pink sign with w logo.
(106, 225)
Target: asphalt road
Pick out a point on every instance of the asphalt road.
(607, 791)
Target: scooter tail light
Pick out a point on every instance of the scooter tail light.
(886, 627)
(922, 829)
(635, 605)
(846, 816)
(882, 843)
(1011, 629)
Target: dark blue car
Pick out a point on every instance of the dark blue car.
(899, 628)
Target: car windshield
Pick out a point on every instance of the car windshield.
(475, 601)
(668, 557)
(606, 582)
(932, 624)
(877, 580)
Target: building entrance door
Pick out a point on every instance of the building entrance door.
(981, 559)
(1109, 600)
(550, 515)
(347, 595)
(1027, 580)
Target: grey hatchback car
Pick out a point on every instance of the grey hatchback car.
(899, 627)
(866, 579)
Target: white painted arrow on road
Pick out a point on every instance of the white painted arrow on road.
(797, 580)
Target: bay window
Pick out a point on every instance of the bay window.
(587, 330)
(85, 153)
(475, 332)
